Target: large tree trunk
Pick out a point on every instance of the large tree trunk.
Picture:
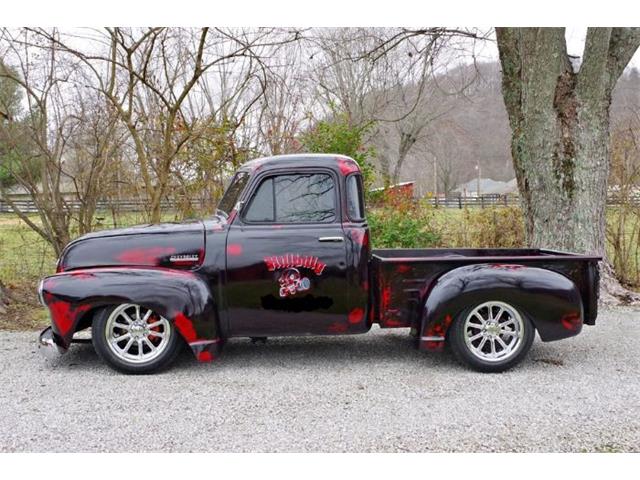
(560, 134)
(559, 117)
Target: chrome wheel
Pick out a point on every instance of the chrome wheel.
(136, 334)
(493, 331)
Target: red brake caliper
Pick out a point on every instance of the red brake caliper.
(152, 319)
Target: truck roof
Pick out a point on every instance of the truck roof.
(343, 163)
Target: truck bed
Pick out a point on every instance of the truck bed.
(405, 276)
(485, 254)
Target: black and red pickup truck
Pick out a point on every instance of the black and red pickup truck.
(288, 253)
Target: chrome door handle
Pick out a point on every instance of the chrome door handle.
(331, 239)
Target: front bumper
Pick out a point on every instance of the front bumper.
(47, 345)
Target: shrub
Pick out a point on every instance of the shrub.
(404, 226)
(339, 135)
(623, 242)
(496, 227)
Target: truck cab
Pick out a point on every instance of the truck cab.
(297, 248)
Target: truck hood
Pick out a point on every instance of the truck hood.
(172, 245)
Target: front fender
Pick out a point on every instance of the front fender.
(549, 299)
(182, 297)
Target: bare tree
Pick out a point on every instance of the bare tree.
(387, 77)
(412, 109)
(347, 78)
(149, 76)
(449, 148)
(95, 147)
(51, 121)
(286, 104)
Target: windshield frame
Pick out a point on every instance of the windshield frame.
(233, 192)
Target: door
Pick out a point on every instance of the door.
(286, 258)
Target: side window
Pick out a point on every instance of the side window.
(261, 206)
(300, 198)
(308, 198)
(355, 202)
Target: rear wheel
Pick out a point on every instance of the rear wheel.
(491, 337)
(134, 339)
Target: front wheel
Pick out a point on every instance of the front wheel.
(491, 337)
(134, 339)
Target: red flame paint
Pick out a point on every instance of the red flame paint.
(83, 275)
(234, 249)
(571, 321)
(337, 328)
(64, 315)
(438, 329)
(504, 266)
(356, 315)
(185, 327)
(145, 256)
(385, 298)
(359, 236)
(347, 166)
(403, 268)
(205, 356)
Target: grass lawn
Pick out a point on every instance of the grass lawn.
(25, 258)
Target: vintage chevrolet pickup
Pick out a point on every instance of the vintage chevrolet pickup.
(288, 253)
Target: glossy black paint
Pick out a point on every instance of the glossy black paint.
(426, 289)
(226, 276)
(147, 245)
(182, 297)
(550, 300)
(334, 303)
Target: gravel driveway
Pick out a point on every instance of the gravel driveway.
(363, 393)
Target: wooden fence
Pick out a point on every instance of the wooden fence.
(123, 205)
(482, 201)
(140, 205)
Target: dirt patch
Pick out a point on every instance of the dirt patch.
(16, 315)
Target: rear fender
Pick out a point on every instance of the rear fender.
(183, 298)
(549, 299)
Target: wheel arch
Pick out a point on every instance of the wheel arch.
(183, 298)
(551, 301)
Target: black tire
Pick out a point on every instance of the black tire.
(465, 354)
(100, 342)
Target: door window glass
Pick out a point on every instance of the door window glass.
(299, 198)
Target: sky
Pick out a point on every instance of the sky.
(575, 37)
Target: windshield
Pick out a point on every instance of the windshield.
(230, 197)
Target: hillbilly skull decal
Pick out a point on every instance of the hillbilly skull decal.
(292, 269)
(292, 282)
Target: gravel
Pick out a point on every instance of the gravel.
(362, 393)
